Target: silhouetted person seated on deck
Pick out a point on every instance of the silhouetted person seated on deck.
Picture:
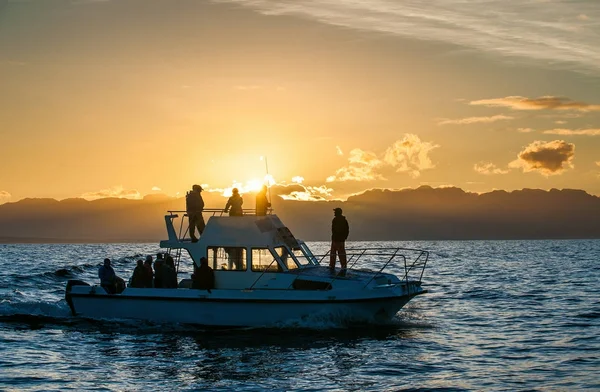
(138, 279)
(234, 204)
(203, 278)
(108, 278)
(149, 276)
(158, 271)
(169, 273)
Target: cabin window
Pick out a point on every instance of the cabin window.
(284, 255)
(301, 257)
(264, 260)
(227, 258)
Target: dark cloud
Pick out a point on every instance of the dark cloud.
(547, 158)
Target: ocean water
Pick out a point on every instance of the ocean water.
(499, 315)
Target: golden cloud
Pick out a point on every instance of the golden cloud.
(488, 168)
(474, 120)
(410, 155)
(573, 132)
(303, 193)
(526, 130)
(5, 197)
(116, 191)
(362, 167)
(547, 102)
(547, 158)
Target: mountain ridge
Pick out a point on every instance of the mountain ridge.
(423, 213)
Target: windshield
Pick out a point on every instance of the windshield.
(303, 255)
(284, 255)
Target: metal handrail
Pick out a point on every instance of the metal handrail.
(357, 253)
(220, 211)
(386, 264)
(392, 253)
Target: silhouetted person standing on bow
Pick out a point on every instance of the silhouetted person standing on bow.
(339, 234)
(262, 203)
(194, 205)
(234, 204)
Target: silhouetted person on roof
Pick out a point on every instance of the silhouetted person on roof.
(194, 205)
(203, 277)
(262, 203)
(234, 204)
(108, 278)
(339, 234)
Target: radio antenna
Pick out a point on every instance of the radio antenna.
(268, 177)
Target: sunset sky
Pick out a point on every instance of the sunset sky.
(133, 97)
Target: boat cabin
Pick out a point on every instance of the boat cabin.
(246, 251)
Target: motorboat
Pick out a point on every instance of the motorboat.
(263, 276)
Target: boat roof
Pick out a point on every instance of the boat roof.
(246, 231)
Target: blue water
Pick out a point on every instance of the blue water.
(499, 315)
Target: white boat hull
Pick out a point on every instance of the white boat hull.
(241, 308)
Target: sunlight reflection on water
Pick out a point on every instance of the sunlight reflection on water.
(499, 315)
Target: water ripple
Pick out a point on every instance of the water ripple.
(499, 315)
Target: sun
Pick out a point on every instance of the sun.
(250, 186)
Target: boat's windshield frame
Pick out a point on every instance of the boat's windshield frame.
(306, 252)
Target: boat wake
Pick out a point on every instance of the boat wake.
(29, 311)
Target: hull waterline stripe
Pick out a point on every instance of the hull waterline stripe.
(204, 299)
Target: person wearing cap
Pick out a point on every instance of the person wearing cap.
(108, 278)
(262, 203)
(194, 206)
(339, 234)
(234, 204)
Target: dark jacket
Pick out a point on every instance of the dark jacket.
(262, 203)
(148, 276)
(194, 202)
(138, 279)
(159, 274)
(204, 278)
(169, 277)
(235, 203)
(107, 275)
(339, 229)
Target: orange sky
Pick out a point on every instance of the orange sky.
(131, 97)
